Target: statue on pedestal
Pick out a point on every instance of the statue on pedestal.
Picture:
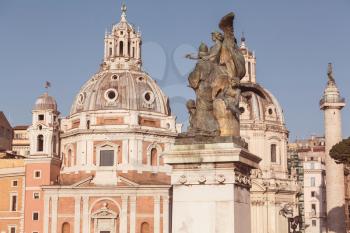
(216, 82)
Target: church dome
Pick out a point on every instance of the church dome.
(121, 90)
(45, 102)
(258, 104)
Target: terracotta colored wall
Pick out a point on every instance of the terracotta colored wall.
(5, 208)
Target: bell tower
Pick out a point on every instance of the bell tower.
(42, 167)
(122, 46)
(250, 62)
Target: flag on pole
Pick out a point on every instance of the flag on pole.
(47, 84)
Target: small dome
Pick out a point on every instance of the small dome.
(45, 102)
(259, 104)
(121, 90)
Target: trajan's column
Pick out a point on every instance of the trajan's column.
(331, 104)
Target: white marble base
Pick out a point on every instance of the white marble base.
(211, 185)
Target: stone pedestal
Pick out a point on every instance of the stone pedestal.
(211, 186)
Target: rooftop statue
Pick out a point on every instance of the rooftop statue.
(216, 82)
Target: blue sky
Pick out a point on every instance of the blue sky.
(62, 42)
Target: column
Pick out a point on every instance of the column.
(54, 200)
(86, 228)
(133, 214)
(124, 215)
(156, 213)
(77, 214)
(46, 213)
(165, 214)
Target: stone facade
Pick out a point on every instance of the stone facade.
(263, 128)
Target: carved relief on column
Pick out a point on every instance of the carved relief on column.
(156, 214)
(132, 214)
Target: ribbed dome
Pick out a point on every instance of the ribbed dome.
(121, 89)
(45, 102)
(259, 104)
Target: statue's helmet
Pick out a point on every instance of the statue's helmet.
(203, 50)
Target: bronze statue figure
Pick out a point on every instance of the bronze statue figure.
(216, 82)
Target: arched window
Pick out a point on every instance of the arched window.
(65, 228)
(69, 158)
(88, 124)
(40, 143)
(121, 48)
(145, 227)
(154, 157)
(129, 48)
(133, 51)
(110, 51)
(273, 153)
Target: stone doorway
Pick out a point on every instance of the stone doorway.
(105, 220)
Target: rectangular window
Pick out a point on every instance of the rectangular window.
(14, 183)
(12, 229)
(312, 193)
(13, 202)
(273, 153)
(313, 207)
(313, 223)
(41, 117)
(36, 195)
(37, 174)
(107, 158)
(312, 182)
(35, 216)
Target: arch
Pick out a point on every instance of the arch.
(40, 143)
(121, 48)
(66, 227)
(104, 199)
(145, 227)
(156, 155)
(70, 155)
(273, 153)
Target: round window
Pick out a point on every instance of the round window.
(111, 95)
(241, 109)
(115, 77)
(81, 98)
(270, 111)
(148, 97)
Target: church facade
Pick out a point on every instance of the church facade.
(101, 169)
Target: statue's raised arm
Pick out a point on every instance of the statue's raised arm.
(230, 56)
